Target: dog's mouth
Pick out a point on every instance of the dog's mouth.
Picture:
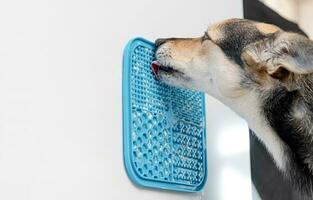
(157, 67)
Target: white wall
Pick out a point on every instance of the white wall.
(298, 11)
(286, 8)
(305, 16)
(60, 98)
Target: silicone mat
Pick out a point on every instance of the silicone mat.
(163, 126)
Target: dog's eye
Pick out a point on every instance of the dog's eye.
(205, 37)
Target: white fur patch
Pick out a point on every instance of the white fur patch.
(249, 108)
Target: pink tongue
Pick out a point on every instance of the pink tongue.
(155, 69)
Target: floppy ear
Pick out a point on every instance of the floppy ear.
(280, 54)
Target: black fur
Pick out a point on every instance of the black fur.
(233, 44)
(277, 109)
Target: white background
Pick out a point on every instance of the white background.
(60, 98)
(298, 11)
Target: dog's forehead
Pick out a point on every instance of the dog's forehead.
(233, 35)
(221, 30)
(232, 27)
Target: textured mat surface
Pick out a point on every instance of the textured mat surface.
(163, 126)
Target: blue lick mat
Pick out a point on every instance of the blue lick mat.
(163, 126)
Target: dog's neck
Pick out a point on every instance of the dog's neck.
(283, 121)
(249, 106)
(290, 116)
(300, 137)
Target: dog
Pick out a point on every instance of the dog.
(262, 73)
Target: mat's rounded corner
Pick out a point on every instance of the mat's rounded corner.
(134, 42)
(131, 173)
(201, 186)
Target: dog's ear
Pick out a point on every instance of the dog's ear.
(280, 54)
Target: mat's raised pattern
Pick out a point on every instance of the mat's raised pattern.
(164, 126)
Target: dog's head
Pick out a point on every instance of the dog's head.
(263, 73)
(234, 57)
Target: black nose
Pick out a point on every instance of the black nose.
(160, 41)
